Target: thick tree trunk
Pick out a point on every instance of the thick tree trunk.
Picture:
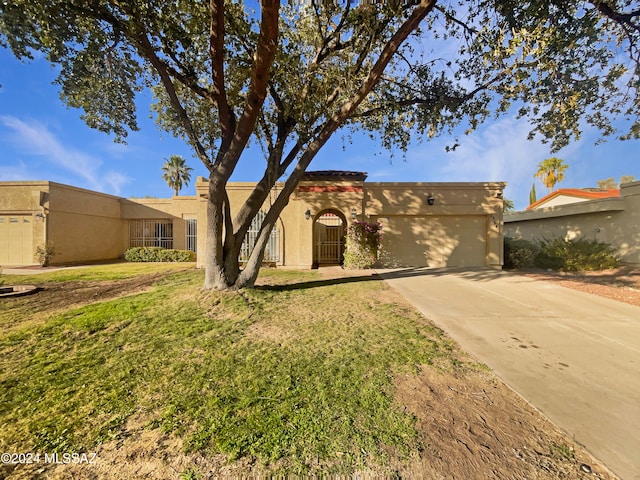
(218, 274)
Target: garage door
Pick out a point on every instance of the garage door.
(444, 241)
(16, 240)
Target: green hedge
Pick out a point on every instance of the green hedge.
(574, 255)
(157, 254)
(519, 254)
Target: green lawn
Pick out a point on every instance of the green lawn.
(296, 375)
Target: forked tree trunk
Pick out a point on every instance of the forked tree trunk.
(215, 275)
(222, 269)
(224, 237)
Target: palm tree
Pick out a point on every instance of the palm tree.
(176, 173)
(551, 171)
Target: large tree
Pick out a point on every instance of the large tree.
(289, 77)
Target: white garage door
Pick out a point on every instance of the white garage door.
(16, 240)
(444, 241)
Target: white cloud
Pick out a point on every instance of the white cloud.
(499, 151)
(116, 181)
(14, 172)
(36, 139)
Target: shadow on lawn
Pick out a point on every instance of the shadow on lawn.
(476, 274)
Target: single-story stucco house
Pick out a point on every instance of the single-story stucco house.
(609, 216)
(423, 224)
(564, 196)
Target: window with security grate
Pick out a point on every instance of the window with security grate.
(271, 252)
(191, 234)
(151, 233)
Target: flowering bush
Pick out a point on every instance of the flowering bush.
(363, 243)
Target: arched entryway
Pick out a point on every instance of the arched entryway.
(329, 229)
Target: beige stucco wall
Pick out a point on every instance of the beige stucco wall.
(342, 197)
(561, 200)
(295, 231)
(176, 209)
(462, 228)
(613, 220)
(81, 225)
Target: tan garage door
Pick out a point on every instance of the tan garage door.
(16, 240)
(445, 241)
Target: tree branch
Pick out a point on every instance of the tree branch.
(147, 51)
(624, 19)
(455, 20)
(265, 52)
(452, 100)
(216, 53)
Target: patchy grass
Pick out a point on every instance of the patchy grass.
(115, 271)
(296, 374)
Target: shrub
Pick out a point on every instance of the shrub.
(157, 254)
(575, 255)
(45, 253)
(519, 254)
(363, 243)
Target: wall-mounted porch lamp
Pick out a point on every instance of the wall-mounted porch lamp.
(431, 199)
(353, 213)
(307, 214)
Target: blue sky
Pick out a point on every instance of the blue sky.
(42, 139)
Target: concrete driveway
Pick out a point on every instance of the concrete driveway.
(574, 356)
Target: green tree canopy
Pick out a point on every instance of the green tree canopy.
(551, 172)
(509, 205)
(176, 173)
(288, 77)
(627, 179)
(607, 183)
(611, 182)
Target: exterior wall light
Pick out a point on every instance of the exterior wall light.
(353, 213)
(431, 199)
(307, 214)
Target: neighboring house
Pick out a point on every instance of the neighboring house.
(424, 224)
(610, 216)
(564, 196)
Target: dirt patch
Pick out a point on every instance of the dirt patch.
(54, 297)
(57, 295)
(621, 284)
(142, 453)
(474, 426)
